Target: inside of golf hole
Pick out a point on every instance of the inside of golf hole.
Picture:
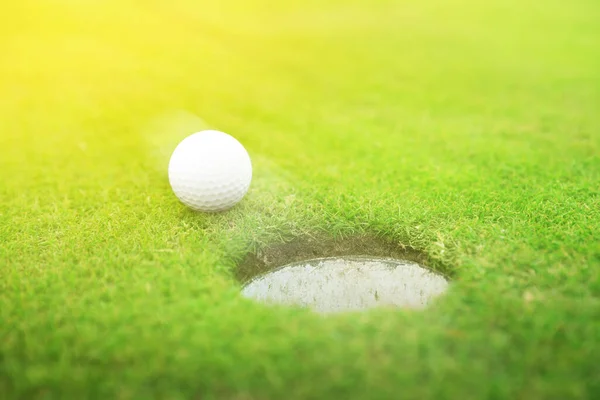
(338, 275)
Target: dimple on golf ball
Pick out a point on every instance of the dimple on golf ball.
(210, 171)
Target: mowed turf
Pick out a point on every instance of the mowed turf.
(467, 130)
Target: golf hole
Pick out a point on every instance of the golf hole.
(345, 283)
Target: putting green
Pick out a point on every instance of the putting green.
(466, 131)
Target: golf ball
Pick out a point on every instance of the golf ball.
(210, 171)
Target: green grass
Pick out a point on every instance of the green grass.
(467, 130)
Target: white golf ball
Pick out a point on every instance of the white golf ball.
(210, 171)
